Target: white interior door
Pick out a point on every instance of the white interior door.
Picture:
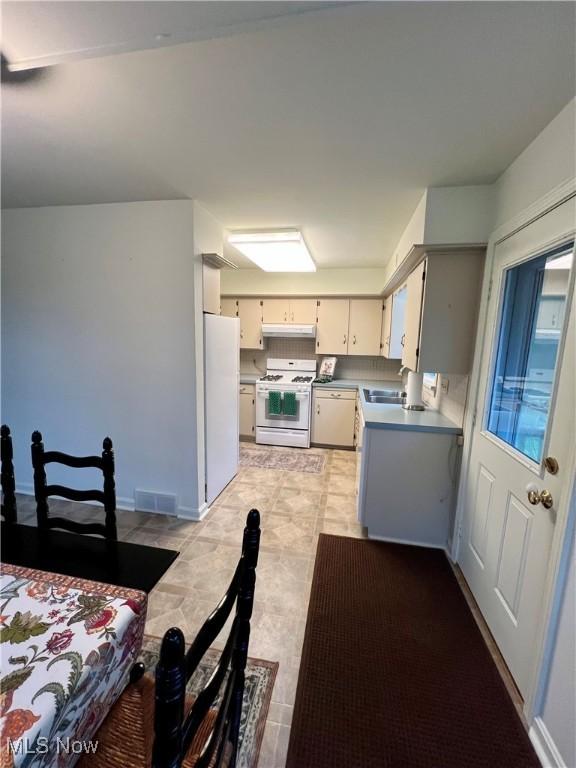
(524, 428)
(222, 401)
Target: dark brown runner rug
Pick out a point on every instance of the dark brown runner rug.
(395, 672)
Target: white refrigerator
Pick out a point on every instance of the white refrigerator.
(221, 401)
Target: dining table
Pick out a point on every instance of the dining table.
(67, 646)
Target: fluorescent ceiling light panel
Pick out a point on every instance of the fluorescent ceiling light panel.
(283, 251)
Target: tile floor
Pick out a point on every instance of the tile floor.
(295, 508)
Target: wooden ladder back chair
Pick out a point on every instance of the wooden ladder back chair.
(106, 497)
(8, 481)
(174, 732)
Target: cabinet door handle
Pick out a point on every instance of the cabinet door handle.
(344, 342)
(241, 334)
(402, 339)
(334, 394)
(292, 317)
(285, 316)
(354, 340)
(318, 409)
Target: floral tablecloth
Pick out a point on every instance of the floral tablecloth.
(67, 646)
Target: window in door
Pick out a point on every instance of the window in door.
(531, 322)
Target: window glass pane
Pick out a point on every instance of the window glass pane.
(534, 303)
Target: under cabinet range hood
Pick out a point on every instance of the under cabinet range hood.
(289, 331)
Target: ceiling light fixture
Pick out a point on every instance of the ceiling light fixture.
(278, 251)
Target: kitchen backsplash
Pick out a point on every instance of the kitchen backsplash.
(348, 367)
(452, 403)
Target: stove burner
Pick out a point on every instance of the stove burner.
(302, 379)
(271, 377)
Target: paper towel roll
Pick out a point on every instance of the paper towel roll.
(414, 388)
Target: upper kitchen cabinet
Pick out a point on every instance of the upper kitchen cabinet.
(386, 327)
(412, 318)
(303, 311)
(210, 289)
(297, 311)
(365, 327)
(229, 307)
(332, 330)
(250, 314)
(386, 335)
(275, 311)
(443, 292)
(397, 313)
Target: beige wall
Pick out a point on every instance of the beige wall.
(324, 282)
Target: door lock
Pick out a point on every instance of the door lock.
(551, 465)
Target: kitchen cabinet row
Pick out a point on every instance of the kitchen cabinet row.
(428, 322)
(343, 326)
(334, 417)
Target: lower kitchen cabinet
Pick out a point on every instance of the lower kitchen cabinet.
(247, 410)
(333, 417)
(407, 485)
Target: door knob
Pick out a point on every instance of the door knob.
(540, 497)
(534, 497)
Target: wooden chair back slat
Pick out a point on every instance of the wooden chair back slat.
(75, 495)
(213, 624)
(77, 462)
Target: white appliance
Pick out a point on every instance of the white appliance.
(285, 376)
(221, 401)
(289, 331)
(414, 392)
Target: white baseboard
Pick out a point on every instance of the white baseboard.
(547, 751)
(391, 540)
(189, 513)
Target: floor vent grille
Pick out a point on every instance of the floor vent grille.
(148, 501)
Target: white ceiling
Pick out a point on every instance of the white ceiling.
(40, 33)
(332, 121)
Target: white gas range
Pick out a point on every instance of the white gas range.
(273, 425)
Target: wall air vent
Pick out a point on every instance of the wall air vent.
(148, 501)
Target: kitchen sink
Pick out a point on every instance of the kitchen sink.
(388, 396)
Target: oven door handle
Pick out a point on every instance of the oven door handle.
(299, 395)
